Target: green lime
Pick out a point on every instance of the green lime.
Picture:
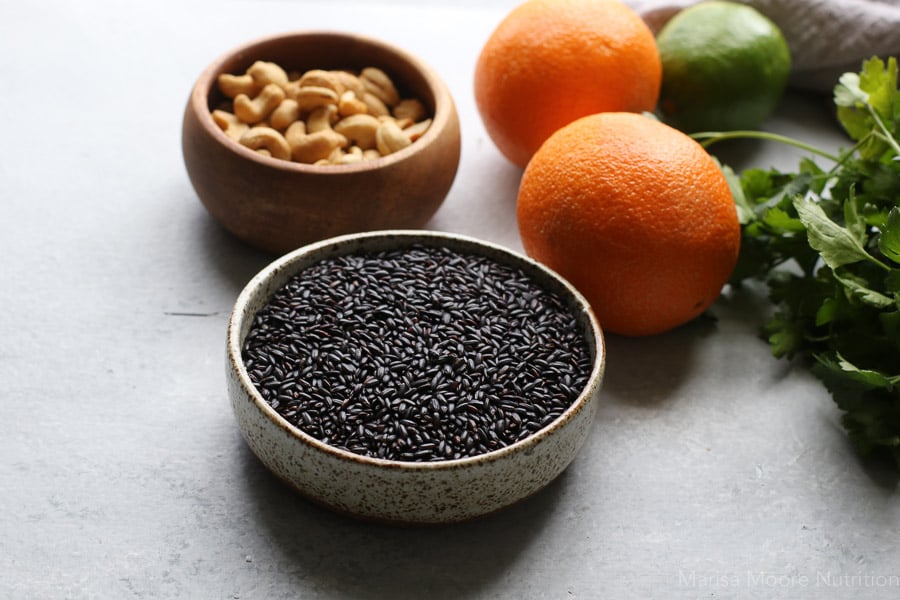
(725, 67)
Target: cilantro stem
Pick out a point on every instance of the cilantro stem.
(711, 137)
(885, 133)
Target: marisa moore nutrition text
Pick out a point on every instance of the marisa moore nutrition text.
(762, 579)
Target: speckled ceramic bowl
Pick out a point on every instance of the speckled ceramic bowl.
(398, 491)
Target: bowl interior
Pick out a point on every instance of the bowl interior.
(327, 50)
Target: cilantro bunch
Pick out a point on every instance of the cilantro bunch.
(827, 245)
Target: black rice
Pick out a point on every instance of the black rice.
(416, 354)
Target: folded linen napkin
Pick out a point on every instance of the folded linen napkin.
(826, 37)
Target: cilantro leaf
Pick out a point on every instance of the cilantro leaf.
(744, 210)
(864, 101)
(890, 322)
(857, 288)
(866, 377)
(784, 335)
(892, 282)
(781, 221)
(836, 244)
(871, 413)
(880, 81)
(889, 240)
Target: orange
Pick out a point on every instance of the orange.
(550, 62)
(636, 215)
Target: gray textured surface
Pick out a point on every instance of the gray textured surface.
(713, 470)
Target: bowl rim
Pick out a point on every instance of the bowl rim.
(588, 393)
(444, 106)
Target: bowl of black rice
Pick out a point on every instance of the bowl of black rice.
(413, 377)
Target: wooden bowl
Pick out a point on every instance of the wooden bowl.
(394, 491)
(279, 205)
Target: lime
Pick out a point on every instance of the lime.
(725, 67)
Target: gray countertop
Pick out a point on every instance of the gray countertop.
(713, 470)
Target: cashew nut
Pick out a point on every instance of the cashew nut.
(311, 97)
(359, 129)
(322, 118)
(232, 85)
(353, 155)
(254, 110)
(401, 123)
(389, 138)
(378, 83)
(230, 124)
(264, 73)
(350, 104)
(338, 157)
(350, 82)
(321, 78)
(417, 130)
(284, 114)
(266, 138)
(410, 108)
(374, 105)
(311, 147)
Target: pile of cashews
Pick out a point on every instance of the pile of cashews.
(321, 117)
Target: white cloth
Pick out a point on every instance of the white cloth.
(826, 37)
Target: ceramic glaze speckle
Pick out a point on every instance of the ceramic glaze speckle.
(395, 491)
